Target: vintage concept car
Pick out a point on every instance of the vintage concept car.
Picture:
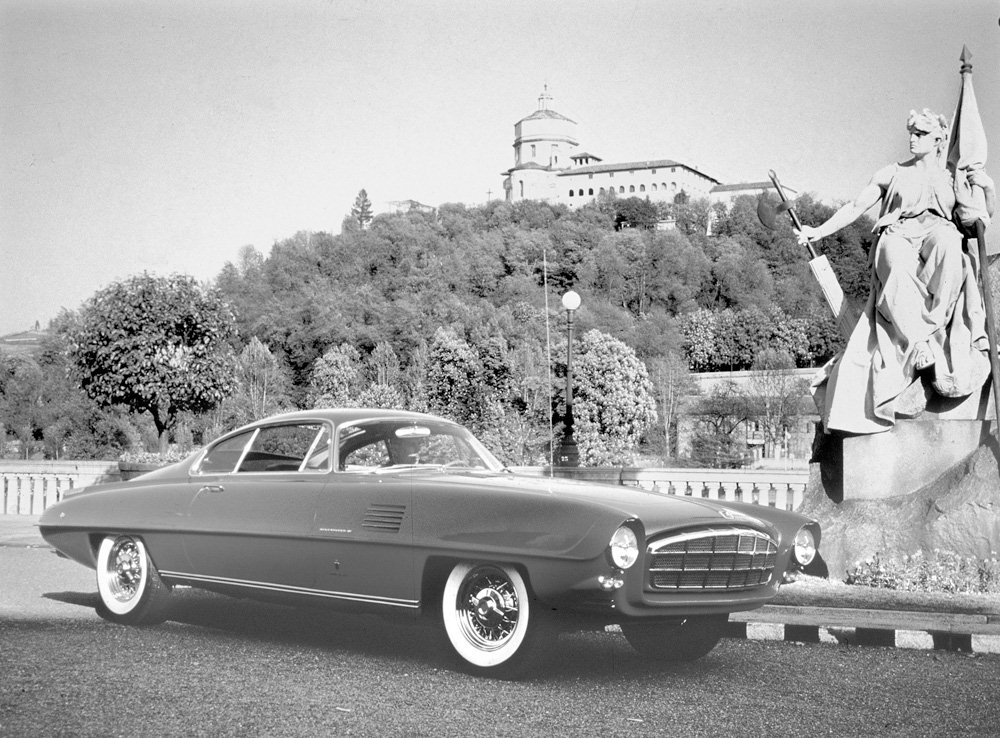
(397, 512)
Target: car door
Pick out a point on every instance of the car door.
(363, 535)
(253, 504)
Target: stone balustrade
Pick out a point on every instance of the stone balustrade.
(773, 487)
(27, 488)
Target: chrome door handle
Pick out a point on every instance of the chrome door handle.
(212, 488)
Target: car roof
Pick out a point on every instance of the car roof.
(339, 416)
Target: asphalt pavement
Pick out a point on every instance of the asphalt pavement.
(953, 628)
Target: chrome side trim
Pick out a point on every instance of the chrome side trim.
(287, 589)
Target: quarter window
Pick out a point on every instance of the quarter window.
(223, 457)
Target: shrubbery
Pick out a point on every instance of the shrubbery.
(941, 571)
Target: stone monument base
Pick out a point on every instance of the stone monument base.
(898, 462)
(925, 485)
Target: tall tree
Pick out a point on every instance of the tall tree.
(717, 417)
(336, 378)
(21, 388)
(157, 345)
(361, 211)
(774, 396)
(452, 377)
(261, 383)
(672, 382)
(613, 403)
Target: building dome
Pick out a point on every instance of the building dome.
(545, 137)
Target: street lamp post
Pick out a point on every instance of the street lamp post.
(568, 454)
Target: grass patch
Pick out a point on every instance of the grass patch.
(939, 572)
(939, 582)
(818, 592)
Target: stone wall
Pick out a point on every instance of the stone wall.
(28, 487)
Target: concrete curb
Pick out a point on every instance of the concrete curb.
(856, 627)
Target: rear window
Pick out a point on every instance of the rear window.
(223, 456)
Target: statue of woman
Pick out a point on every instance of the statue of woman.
(924, 313)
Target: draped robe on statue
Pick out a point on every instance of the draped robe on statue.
(924, 289)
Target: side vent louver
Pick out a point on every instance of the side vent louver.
(384, 518)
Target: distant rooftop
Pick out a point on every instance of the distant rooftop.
(632, 165)
(763, 185)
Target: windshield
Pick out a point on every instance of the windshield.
(384, 445)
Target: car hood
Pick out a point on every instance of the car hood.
(657, 510)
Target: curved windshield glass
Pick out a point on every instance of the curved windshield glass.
(385, 445)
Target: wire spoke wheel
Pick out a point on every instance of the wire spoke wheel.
(490, 621)
(128, 584)
(491, 609)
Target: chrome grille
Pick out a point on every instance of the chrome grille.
(711, 559)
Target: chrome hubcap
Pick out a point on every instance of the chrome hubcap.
(125, 570)
(490, 611)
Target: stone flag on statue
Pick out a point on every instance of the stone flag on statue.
(967, 150)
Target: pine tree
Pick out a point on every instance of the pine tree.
(362, 210)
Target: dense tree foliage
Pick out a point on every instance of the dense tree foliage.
(457, 312)
(156, 345)
(613, 402)
(21, 399)
(719, 416)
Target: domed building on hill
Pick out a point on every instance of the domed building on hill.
(549, 166)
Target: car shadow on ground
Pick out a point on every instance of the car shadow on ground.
(83, 599)
(595, 654)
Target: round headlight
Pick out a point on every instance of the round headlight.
(624, 548)
(805, 547)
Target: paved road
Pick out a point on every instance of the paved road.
(226, 667)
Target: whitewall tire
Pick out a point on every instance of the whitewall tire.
(490, 620)
(128, 584)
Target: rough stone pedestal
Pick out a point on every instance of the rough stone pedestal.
(899, 462)
(925, 485)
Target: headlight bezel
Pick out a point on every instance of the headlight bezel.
(804, 547)
(623, 547)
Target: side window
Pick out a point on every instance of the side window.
(281, 448)
(374, 454)
(224, 455)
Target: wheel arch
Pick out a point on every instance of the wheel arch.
(437, 568)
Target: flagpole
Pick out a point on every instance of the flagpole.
(984, 269)
(962, 117)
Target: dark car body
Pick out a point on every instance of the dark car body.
(391, 512)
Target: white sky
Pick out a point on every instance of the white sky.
(163, 136)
